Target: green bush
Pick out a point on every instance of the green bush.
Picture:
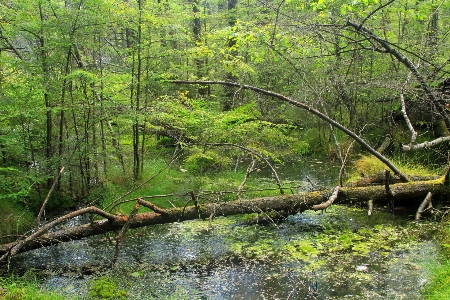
(105, 288)
(302, 148)
(201, 162)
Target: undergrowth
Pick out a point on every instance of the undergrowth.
(15, 220)
(439, 286)
(25, 288)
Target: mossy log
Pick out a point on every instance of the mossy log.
(411, 193)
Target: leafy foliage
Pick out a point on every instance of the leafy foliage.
(105, 288)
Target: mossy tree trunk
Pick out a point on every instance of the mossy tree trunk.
(411, 193)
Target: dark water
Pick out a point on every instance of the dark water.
(341, 254)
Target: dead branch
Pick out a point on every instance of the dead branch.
(330, 201)
(38, 218)
(426, 144)
(274, 172)
(250, 169)
(407, 63)
(113, 203)
(408, 121)
(15, 247)
(121, 235)
(152, 206)
(421, 208)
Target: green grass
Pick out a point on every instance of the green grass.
(23, 288)
(439, 286)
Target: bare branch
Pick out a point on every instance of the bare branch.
(38, 218)
(152, 206)
(121, 235)
(426, 144)
(113, 203)
(15, 247)
(250, 170)
(405, 115)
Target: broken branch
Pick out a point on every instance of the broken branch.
(422, 206)
(330, 201)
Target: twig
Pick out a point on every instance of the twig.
(374, 11)
(145, 182)
(250, 169)
(274, 172)
(38, 218)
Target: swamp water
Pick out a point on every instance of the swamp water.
(341, 254)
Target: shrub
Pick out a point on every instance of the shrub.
(105, 288)
(208, 161)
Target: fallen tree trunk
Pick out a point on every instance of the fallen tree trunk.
(284, 205)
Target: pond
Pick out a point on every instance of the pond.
(339, 254)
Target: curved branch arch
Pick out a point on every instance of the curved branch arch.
(313, 111)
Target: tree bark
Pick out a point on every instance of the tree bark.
(283, 205)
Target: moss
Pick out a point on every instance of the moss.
(367, 165)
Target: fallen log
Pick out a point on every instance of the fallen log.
(408, 193)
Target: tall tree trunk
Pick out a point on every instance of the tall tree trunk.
(228, 103)
(197, 30)
(46, 81)
(136, 130)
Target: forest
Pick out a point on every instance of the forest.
(175, 106)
